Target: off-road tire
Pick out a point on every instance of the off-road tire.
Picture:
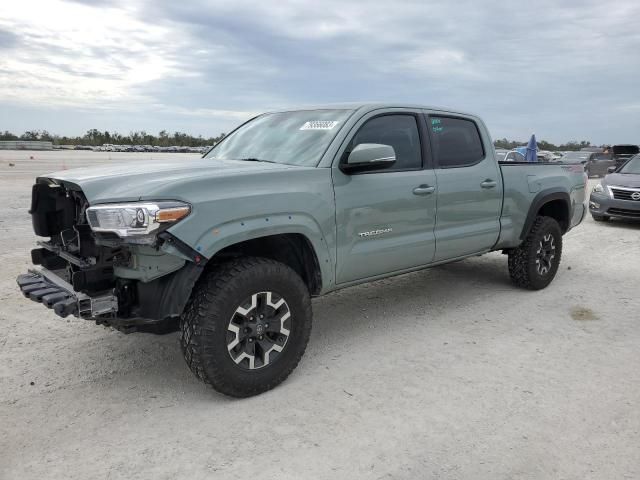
(215, 298)
(523, 268)
(600, 218)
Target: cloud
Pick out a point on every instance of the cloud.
(8, 39)
(565, 71)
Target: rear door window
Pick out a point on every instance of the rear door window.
(456, 142)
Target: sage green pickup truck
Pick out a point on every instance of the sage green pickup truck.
(228, 249)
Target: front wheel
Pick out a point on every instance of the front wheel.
(534, 264)
(246, 326)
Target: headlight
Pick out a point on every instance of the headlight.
(598, 188)
(137, 222)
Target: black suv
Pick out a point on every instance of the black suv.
(622, 153)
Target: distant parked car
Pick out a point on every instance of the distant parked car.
(573, 158)
(504, 155)
(599, 163)
(501, 153)
(595, 164)
(514, 156)
(544, 156)
(618, 194)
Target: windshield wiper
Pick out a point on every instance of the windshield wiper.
(256, 160)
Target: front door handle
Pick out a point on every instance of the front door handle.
(488, 183)
(424, 190)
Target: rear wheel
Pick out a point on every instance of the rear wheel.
(246, 326)
(534, 264)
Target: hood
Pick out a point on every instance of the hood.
(623, 180)
(145, 179)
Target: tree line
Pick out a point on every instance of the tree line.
(95, 138)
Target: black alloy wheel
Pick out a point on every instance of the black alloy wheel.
(258, 330)
(545, 254)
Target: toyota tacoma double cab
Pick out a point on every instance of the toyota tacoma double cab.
(229, 248)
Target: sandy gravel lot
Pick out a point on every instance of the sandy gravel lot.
(449, 373)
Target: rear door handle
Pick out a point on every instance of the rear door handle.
(424, 190)
(488, 183)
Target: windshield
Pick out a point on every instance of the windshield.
(294, 138)
(632, 166)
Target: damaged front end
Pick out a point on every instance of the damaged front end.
(113, 263)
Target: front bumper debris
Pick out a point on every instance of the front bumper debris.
(46, 287)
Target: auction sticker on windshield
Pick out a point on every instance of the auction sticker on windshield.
(319, 125)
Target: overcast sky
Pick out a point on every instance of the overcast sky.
(565, 70)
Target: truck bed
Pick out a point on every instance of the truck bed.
(523, 182)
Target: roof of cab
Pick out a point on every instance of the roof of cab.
(369, 106)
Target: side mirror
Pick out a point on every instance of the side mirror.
(369, 156)
(612, 169)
